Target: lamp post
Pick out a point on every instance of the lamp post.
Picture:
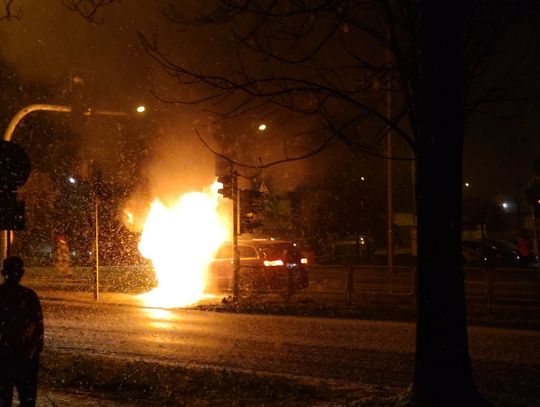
(8, 134)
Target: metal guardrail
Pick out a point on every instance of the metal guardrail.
(364, 280)
(358, 282)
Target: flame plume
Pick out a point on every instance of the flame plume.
(181, 240)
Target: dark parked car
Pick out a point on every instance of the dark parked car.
(264, 265)
(493, 253)
(512, 250)
(472, 256)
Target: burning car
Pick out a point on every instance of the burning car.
(264, 265)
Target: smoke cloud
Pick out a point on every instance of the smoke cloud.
(52, 45)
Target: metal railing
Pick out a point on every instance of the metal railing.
(360, 283)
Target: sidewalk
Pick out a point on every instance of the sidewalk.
(88, 297)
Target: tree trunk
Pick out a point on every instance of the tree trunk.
(442, 375)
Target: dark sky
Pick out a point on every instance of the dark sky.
(50, 43)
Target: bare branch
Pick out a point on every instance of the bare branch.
(333, 59)
(321, 147)
(89, 9)
(9, 12)
(272, 88)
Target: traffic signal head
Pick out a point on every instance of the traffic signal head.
(226, 186)
(251, 208)
(252, 200)
(14, 171)
(14, 166)
(11, 212)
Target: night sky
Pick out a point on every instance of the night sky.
(49, 45)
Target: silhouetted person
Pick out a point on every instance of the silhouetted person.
(21, 336)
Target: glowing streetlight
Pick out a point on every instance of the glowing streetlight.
(72, 180)
(507, 206)
(467, 185)
(140, 109)
(262, 127)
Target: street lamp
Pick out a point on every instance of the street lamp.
(29, 109)
(8, 134)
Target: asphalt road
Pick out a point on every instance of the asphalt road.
(340, 351)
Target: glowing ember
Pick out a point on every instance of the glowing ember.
(181, 239)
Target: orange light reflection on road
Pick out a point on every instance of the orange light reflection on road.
(160, 318)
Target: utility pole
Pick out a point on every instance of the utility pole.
(96, 243)
(97, 192)
(389, 208)
(236, 261)
(389, 197)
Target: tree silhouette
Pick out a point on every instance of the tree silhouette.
(337, 65)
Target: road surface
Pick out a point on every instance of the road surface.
(343, 352)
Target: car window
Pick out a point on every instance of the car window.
(273, 250)
(278, 250)
(268, 251)
(225, 252)
(247, 252)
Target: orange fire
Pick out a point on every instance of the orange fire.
(181, 240)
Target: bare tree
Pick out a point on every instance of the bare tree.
(338, 64)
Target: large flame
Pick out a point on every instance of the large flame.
(181, 240)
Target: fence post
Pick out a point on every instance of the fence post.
(350, 287)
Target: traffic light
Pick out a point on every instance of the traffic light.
(11, 211)
(251, 210)
(14, 171)
(226, 186)
(224, 174)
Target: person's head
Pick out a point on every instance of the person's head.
(13, 269)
